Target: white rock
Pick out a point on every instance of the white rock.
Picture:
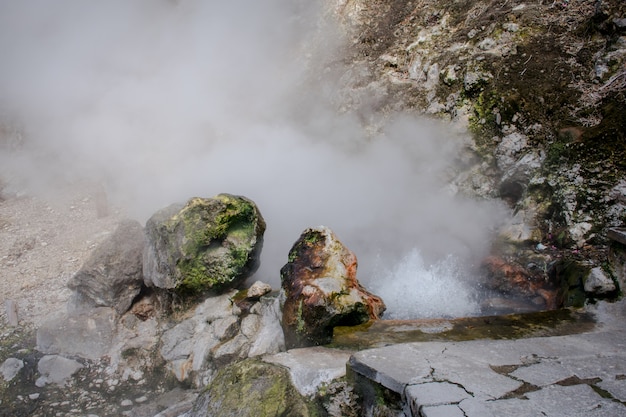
(250, 325)
(177, 341)
(10, 368)
(259, 289)
(56, 369)
(598, 283)
(486, 44)
(312, 367)
(226, 327)
(509, 148)
(450, 76)
(126, 403)
(269, 338)
(510, 27)
(214, 308)
(578, 231)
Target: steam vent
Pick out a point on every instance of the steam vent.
(209, 244)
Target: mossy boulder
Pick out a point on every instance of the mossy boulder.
(207, 245)
(251, 388)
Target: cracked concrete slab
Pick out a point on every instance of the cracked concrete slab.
(615, 387)
(442, 411)
(435, 393)
(542, 374)
(558, 376)
(577, 400)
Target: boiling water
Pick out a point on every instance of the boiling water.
(413, 289)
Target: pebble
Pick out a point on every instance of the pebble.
(34, 396)
(126, 403)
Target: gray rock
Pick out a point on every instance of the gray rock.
(235, 348)
(113, 275)
(598, 283)
(88, 335)
(509, 149)
(258, 289)
(214, 308)
(217, 334)
(56, 369)
(10, 368)
(474, 79)
(618, 234)
(225, 328)
(177, 342)
(269, 338)
(310, 368)
(210, 244)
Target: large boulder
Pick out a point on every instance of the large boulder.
(113, 275)
(321, 290)
(251, 388)
(209, 244)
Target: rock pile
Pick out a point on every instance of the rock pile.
(160, 307)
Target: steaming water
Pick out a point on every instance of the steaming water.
(163, 100)
(413, 289)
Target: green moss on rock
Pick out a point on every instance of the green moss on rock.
(209, 244)
(252, 388)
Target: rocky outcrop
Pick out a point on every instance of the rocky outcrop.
(113, 275)
(220, 332)
(543, 106)
(209, 244)
(512, 280)
(321, 290)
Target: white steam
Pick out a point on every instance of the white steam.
(163, 100)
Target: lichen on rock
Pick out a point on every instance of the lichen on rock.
(210, 244)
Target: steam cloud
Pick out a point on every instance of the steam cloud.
(162, 100)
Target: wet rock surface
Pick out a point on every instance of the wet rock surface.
(321, 290)
(561, 375)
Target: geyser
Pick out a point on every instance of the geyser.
(164, 100)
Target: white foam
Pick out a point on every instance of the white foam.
(411, 289)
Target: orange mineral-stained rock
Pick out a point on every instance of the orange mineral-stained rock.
(321, 290)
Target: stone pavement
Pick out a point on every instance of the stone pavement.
(573, 375)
